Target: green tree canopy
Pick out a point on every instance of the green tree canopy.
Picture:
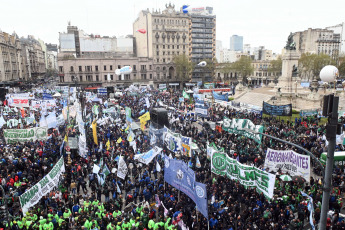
(184, 67)
(276, 66)
(243, 66)
(310, 65)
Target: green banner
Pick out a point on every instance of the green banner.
(22, 135)
(243, 127)
(44, 186)
(249, 176)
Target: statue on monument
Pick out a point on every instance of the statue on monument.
(290, 44)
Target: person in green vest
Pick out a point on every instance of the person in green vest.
(151, 224)
(111, 226)
(126, 225)
(48, 226)
(41, 222)
(60, 221)
(166, 224)
(158, 225)
(116, 213)
(67, 213)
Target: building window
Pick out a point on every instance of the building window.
(111, 77)
(157, 46)
(89, 77)
(157, 59)
(143, 76)
(96, 67)
(173, 47)
(163, 46)
(157, 53)
(97, 78)
(177, 47)
(60, 69)
(163, 52)
(105, 78)
(150, 75)
(72, 69)
(150, 67)
(184, 47)
(168, 46)
(111, 67)
(119, 66)
(105, 67)
(80, 78)
(62, 79)
(143, 67)
(134, 67)
(80, 68)
(164, 60)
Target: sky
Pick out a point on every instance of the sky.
(262, 23)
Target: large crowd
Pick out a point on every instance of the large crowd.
(82, 202)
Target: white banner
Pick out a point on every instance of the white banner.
(23, 135)
(19, 102)
(147, 157)
(43, 187)
(39, 103)
(289, 162)
(122, 169)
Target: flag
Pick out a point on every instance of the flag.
(158, 167)
(198, 165)
(119, 140)
(106, 170)
(190, 164)
(101, 178)
(185, 95)
(310, 208)
(122, 168)
(118, 188)
(108, 144)
(94, 131)
(66, 139)
(158, 202)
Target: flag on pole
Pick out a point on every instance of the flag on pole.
(118, 188)
(119, 140)
(106, 170)
(185, 95)
(94, 132)
(108, 144)
(198, 165)
(158, 167)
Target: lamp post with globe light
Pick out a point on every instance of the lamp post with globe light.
(330, 109)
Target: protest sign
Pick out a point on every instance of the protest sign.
(147, 157)
(43, 187)
(73, 142)
(289, 162)
(172, 140)
(277, 110)
(179, 175)
(122, 168)
(243, 127)
(249, 176)
(221, 97)
(23, 135)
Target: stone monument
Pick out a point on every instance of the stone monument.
(287, 82)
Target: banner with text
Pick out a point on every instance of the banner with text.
(289, 162)
(249, 176)
(22, 135)
(277, 110)
(220, 97)
(243, 127)
(43, 187)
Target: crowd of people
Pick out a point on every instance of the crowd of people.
(143, 200)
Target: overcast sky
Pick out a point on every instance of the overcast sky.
(265, 22)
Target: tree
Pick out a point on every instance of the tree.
(243, 66)
(184, 67)
(341, 65)
(276, 66)
(311, 64)
(210, 66)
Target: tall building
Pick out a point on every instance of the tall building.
(219, 51)
(91, 60)
(167, 36)
(78, 44)
(318, 41)
(10, 57)
(247, 49)
(202, 42)
(236, 43)
(52, 50)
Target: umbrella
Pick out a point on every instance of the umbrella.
(285, 178)
(298, 179)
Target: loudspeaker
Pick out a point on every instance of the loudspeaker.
(159, 118)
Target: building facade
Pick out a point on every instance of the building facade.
(34, 58)
(236, 43)
(318, 41)
(219, 51)
(92, 72)
(202, 42)
(11, 63)
(167, 36)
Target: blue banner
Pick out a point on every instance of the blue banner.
(220, 97)
(47, 96)
(305, 113)
(179, 175)
(102, 91)
(277, 110)
(201, 110)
